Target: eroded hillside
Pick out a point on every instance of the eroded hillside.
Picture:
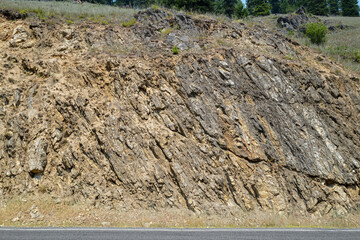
(242, 118)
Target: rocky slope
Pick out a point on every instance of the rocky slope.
(242, 118)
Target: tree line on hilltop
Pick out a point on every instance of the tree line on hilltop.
(236, 8)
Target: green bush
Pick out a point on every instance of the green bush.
(175, 50)
(357, 56)
(316, 32)
(129, 23)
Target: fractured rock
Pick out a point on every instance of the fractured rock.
(20, 35)
(37, 155)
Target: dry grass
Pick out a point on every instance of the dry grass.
(344, 46)
(43, 210)
(70, 11)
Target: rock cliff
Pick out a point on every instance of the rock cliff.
(242, 118)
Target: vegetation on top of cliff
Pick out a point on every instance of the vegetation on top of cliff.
(50, 10)
(342, 45)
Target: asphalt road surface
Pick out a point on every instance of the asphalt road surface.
(172, 234)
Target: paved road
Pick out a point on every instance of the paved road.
(174, 234)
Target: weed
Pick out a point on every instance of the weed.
(51, 14)
(24, 11)
(104, 22)
(129, 23)
(175, 50)
(357, 56)
(220, 42)
(291, 33)
(155, 7)
(69, 21)
(166, 31)
(289, 57)
(40, 14)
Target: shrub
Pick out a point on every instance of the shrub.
(357, 56)
(175, 50)
(129, 23)
(316, 32)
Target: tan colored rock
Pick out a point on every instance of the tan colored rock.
(237, 127)
(20, 35)
(37, 155)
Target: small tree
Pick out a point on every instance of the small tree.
(317, 7)
(225, 7)
(275, 6)
(258, 7)
(316, 32)
(334, 7)
(240, 11)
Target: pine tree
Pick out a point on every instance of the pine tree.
(317, 7)
(258, 7)
(225, 7)
(240, 11)
(194, 5)
(284, 6)
(334, 7)
(287, 6)
(275, 6)
(349, 8)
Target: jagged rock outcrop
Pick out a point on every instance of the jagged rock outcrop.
(243, 119)
(299, 19)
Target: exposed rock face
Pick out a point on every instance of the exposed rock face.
(297, 20)
(12, 15)
(230, 123)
